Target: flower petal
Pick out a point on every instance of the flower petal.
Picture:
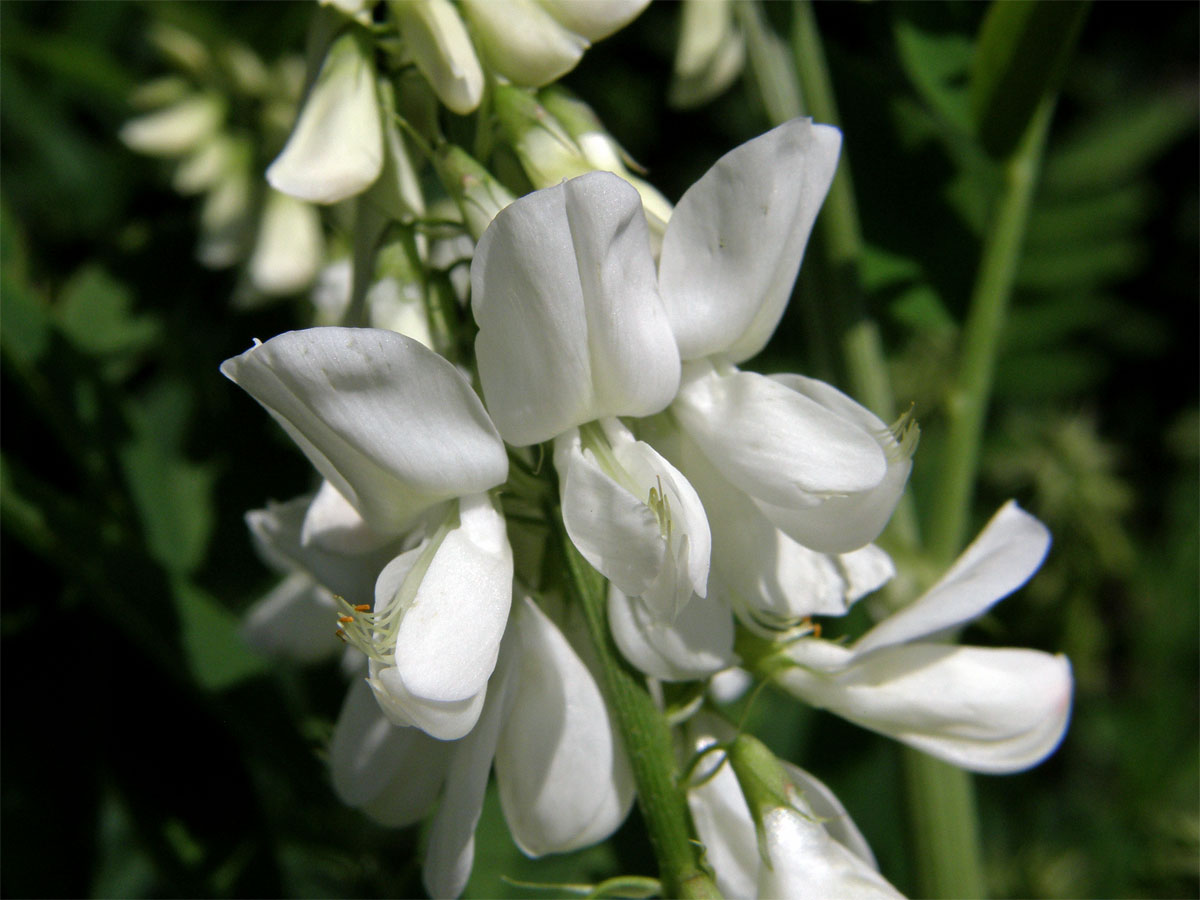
(564, 781)
(296, 620)
(804, 861)
(830, 812)
(446, 721)
(437, 39)
(332, 524)
(336, 147)
(393, 426)
(289, 247)
(844, 522)
(983, 709)
(614, 529)
(633, 516)
(781, 447)
(734, 244)
(571, 327)
(277, 534)
(522, 41)
(594, 19)
(451, 850)
(176, 129)
(697, 644)
(724, 826)
(1003, 557)
(449, 637)
(769, 580)
(395, 773)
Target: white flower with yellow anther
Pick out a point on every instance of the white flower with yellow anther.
(985, 709)
(564, 780)
(408, 453)
(572, 335)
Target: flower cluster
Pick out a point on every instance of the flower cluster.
(605, 413)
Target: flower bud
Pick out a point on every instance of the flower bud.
(176, 130)
(594, 19)
(475, 190)
(547, 153)
(438, 42)
(710, 55)
(603, 152)
(522, 41)
(336, 148)
(289, 247)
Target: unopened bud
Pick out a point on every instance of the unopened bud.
(475, 190)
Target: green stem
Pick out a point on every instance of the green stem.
(941, 797)
(945, 830)
(647, 739)
(968, 401)
(840, 243)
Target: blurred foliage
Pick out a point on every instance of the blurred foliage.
(153, 754)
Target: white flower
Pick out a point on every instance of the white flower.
(808, 847)
(633, 516)
(438, 41)
(984, 709)
(572, 333)
(394, 427)
(440, 610)
(408, 453)
(522, 40)
(710, 54)
(571, 326)
(819, 466)
(289, 248)
(563, 778)
(178, 129)
(771, 581)
(336, 147)
(528, 42)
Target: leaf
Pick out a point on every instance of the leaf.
(1118, 144)
(95, 312)
(25, 324)
(174, 502)
(217, 655)
(1019, 59)
(937, 63)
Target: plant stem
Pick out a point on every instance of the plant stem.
(647, 740)
(941, 797)
(945, 829)
(968, 401)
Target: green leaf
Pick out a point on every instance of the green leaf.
(95, 312)
(937, 63)
(174, 502)
(217, 655)
(1118, 144)
(1020, 57)
(25, 324)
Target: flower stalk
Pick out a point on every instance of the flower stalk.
(647, 740)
